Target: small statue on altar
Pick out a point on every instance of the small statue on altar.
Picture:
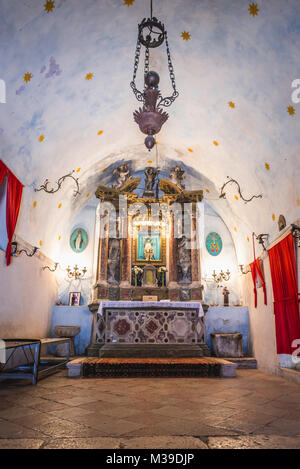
(148, 249)
(123, 174)
(151, 175)
(177, 176)
(113, 260)
(226, 296)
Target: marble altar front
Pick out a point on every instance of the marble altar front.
(135, 322)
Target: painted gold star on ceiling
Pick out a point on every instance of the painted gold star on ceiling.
(128, 2)
(253, 9)
(215, 143)
(291, 110)
(41, 138)
(185, 36)
(267, 166)
(89, 76)
(100, 132)
(49, 6)
(231, 104)
(27, 77)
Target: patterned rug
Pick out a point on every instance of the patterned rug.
(180, 367)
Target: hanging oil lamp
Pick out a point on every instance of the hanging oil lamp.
(151, 116)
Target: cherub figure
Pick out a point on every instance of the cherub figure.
(151, 175)
(123, 174)
(177, 176)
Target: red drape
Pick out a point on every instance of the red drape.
(257, 272)
(286, 307)
(3, 171)
(13, 201)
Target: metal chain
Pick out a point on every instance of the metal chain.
(166, 102)
(138, 94)
(147, 59)
(170, 99)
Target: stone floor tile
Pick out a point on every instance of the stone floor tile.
(254, 442)
(14, 413)
(83, 443)
(69, 412)
(163, 442)
(67, 429)
(19, 443)
(281, 426)
(118, 411)
(12, 430)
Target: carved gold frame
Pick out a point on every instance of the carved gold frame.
(136, 261)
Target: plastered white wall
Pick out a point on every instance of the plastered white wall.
(27, 296)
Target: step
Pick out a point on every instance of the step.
(153, 351)
(151, 367)
(244, 363)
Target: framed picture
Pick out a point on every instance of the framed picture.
(79, 240)
(74, 299)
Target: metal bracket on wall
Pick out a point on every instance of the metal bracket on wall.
(44, 187)
(16, 253)
(223, 195)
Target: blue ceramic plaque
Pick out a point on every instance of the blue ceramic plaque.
(214, 244)
(79, 240)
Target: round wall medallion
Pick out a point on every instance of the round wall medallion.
(79, 240)
(214, 244)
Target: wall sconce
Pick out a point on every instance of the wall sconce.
(51, 270)
(221, 276)
(241, 266)
(76, 273)
(262, 238)
(15, 251)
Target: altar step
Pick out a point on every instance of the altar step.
(154, 351)
(151, 367)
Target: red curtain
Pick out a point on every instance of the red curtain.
(286, 306)
(3, 171)
(13, 201)
(256, 272)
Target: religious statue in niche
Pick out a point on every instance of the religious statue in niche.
(184, 260)
(79, 240)
(148, 249)
(177, 176)
(151, 175)
(123, 175)
(113, 261)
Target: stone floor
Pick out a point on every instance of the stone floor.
(254, 410)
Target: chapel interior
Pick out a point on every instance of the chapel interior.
(149, 224)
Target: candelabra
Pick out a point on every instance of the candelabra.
(221, 276)
(76, 273)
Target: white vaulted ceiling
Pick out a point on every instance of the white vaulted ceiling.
(234, 74)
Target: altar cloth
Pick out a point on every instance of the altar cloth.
(152, 322)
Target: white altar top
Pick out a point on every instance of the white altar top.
(152, 304)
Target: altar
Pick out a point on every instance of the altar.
(139, 324)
